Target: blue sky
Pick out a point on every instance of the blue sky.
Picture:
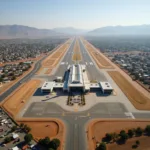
(85, 14)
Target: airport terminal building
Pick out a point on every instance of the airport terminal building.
(76, 79)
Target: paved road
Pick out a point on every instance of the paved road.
(76, 121)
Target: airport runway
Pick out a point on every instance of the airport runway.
(93, 72)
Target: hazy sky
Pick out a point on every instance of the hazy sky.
(86, 14)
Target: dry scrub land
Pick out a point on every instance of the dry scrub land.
(99, 128)
(41, 128)
(53, 128)
(98, 57)
(139, 100)
(77, 53)
(15, 102)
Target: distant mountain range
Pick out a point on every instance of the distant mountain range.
(19, 31)
(70, 31)
(121, 30)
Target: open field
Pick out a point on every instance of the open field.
(51, 59)
(76, 52)
(144, 144)
(139, 100)
(6, 86)
(99, 128)
(18, 98)
(53, 128)
(97, 56)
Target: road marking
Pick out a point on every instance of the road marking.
(62, 63)
(82, 116)
(91, 63)
(129, 114)
(86, 63)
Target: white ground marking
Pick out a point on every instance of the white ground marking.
(129, 114)
(62, 63)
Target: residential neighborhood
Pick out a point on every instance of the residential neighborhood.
(10, 72)
(20, 49)
(137, 65)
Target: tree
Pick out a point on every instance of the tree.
(46, 141)
(13, 78)
(55, 143)
(130, 133)
(139, 131)
(108, 137)
(7, 139)
(147, 129)
(21, 63)
(13, 128)
(25, 127)
(28, 129)
(123, 136)
(137, 142)
(21, 125)
(115, 136)
(102, 146)
(1, 79)
(28, 138)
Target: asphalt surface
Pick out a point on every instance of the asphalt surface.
(93, 72)
(76, 121)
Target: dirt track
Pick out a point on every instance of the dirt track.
(139, 100)
(18, 98)
(99, 128)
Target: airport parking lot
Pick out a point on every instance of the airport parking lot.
(6, 130)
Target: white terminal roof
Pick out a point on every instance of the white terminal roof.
(75, 76)
(106, 86)
(48, 85)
